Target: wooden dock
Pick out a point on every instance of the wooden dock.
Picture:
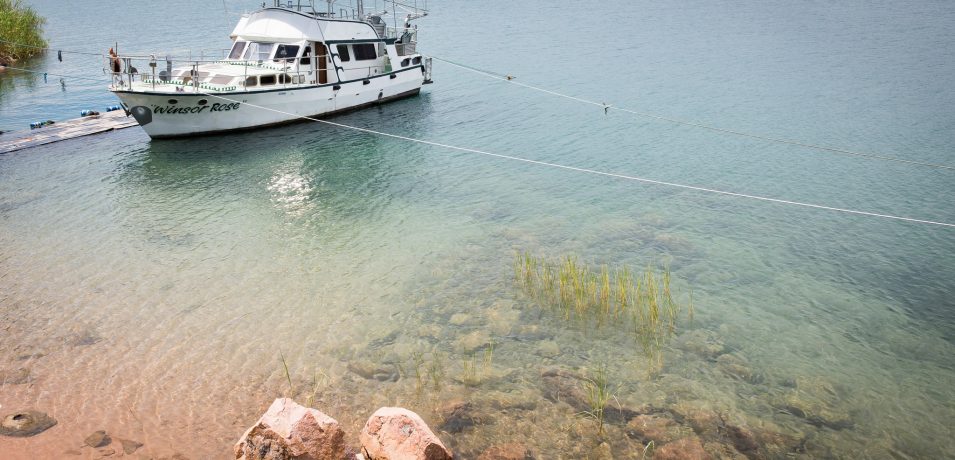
(64, 130)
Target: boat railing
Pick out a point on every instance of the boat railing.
(151, 73)
(406, 39)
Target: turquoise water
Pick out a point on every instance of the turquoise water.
(150, 287)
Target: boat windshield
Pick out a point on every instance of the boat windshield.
(285, 53)
(258, 51)
(237, 50)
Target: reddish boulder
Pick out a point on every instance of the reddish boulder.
(394, 433)
(289, 430)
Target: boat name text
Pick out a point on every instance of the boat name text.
(197, 109)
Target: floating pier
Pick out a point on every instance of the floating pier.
(64, 130)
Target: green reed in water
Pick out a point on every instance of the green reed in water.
(288, 376)
(598, 395)
(489, 355)
(645, 299)
(469, 371)
(436, 371)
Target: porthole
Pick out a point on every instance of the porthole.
(203, 102)
(405, 62)
(172, 102)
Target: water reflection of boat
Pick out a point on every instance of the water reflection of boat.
(287, 61)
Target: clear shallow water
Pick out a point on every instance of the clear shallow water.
(149, 287)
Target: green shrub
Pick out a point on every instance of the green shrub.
(20, 25)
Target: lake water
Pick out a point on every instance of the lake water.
(151, 289)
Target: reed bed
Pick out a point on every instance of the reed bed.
(644, 300)
(20, 31)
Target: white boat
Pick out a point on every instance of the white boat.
(287, 61)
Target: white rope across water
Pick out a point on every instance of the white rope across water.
(592, 171)
(510, 79)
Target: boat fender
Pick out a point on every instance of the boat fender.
(113, 107)
(88, 113)
(143, 115)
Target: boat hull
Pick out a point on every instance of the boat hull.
(192, 113)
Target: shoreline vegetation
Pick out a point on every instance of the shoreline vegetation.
(21, 34)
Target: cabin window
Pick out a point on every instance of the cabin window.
(306, 56)
(266, 80)
(416, 60)
(364, 52)
(286, 53)
(343, 53)
(284, 78)
(237, 49)
(257, 51)
(251, 81)
(405, 62)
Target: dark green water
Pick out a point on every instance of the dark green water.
(149, 287)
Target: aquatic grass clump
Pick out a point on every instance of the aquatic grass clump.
(598, 395)
(644, 300)
(436, 371)
(20, 32)
(469, 371)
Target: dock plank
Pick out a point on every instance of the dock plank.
(64, 130)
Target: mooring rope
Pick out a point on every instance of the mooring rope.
(54, 74)
(47, 48)
(591, 171)
(510, 79)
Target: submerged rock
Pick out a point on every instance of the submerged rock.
(393, 433)
(706, 344)
(458, 415)
(460, 319)
(560, 385)
(473, 341)
(82, 337)
(656, 428)
(737, 367)
(25, 423)
(372, 371)
(291, 431)
(689, 448)
(548, 349)
(15, 377)
(98, 439)
(510, 451)
(130, 446)
(818, 402)
(724, 451)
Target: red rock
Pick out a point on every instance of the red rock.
(289, 430)
(510, 451)
(394, 433)
(684, 449)
(648, 428)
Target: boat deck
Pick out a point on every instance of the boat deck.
(64, 130)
